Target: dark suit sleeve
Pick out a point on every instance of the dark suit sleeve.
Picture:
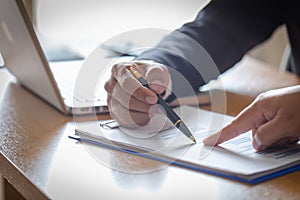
(217, 39)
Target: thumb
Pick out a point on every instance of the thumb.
(272, 134)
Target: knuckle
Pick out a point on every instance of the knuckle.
(114, 68)
(107, 87)
(260, 133)
(158, 68)
(158, 73)
(154, 71)
(262, 101)
(263, 98)
(118, 69)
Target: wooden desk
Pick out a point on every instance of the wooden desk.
(40, 161)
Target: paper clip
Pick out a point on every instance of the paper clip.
(111, 124)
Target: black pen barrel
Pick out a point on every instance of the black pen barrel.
(172, 116)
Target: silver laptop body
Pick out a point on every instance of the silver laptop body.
(25, 59)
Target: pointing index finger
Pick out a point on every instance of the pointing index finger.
(250, 118)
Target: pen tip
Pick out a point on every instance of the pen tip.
(193, 139)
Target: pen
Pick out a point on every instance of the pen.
(172, 116)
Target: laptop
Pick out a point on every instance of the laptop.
(53, 82)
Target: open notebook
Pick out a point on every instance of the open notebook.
(235, 159)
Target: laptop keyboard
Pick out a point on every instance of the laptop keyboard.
(66, 73)
(66, 81)
(78, 95)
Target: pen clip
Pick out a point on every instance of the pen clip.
(111, 124)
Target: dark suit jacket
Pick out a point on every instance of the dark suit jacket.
(220, 36)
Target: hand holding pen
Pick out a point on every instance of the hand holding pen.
(130, 103)
(127, 97)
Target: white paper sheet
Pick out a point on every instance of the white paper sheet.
(235, 156)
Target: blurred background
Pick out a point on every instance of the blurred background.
(83, 25)
(86, 24)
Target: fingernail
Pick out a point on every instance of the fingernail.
(157, 86)
(151, 99)
(258, 143)
(211, 140)
(257, 140)
(205, 141)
